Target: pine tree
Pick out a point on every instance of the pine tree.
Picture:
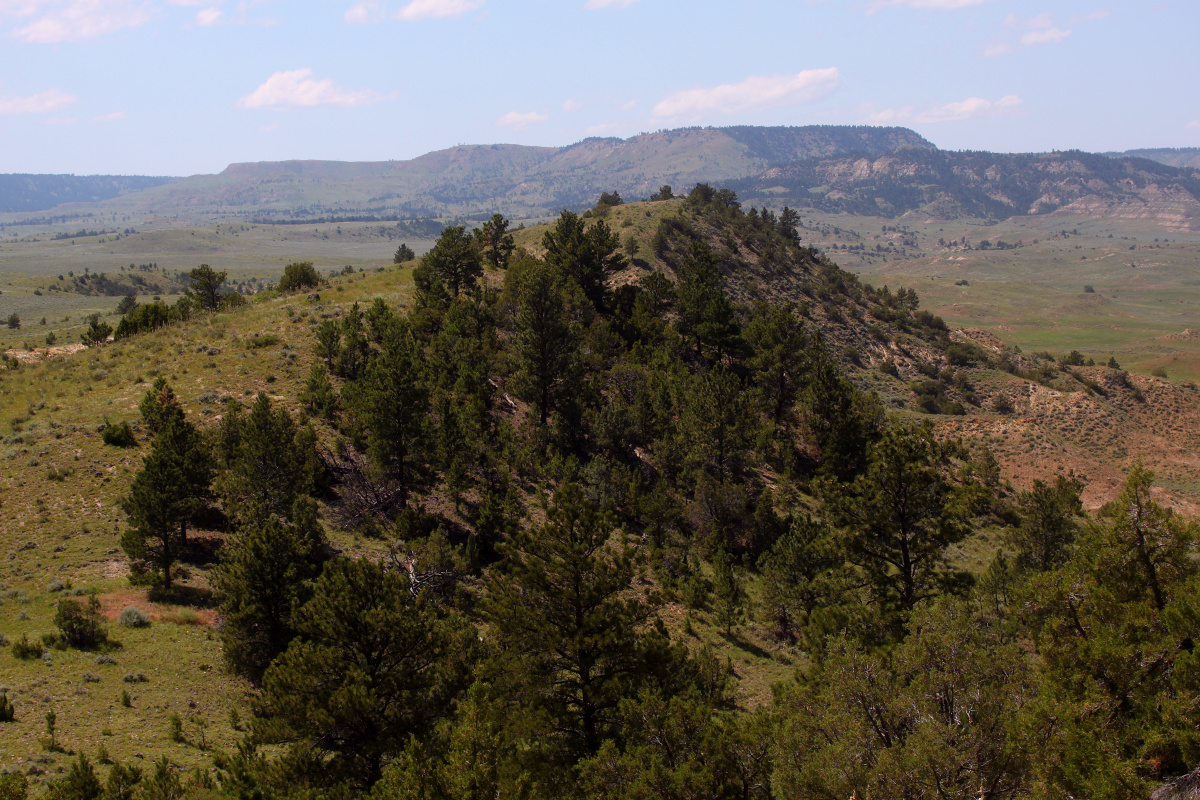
(547, 340)
(705, 314)
(391, 404)
(80, 783)
(264, 576)
(901, 516)
(372, 665)
(588, 255)
(496, 241)
(561, 605)
(455, 260)
(158, 405)
(173, 486)
(267, 463)
(206, 286)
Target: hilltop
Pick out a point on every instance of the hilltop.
(471, 181)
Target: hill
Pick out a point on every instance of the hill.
(20, 192)
(473, 181)
(650, 512)
(1171, 156)
(948, 185)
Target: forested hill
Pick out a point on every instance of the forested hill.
(472, 181)
(650, 502)
(28, 192)
(947, 184)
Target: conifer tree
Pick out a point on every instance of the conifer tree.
(391, 404)
(706, 316)
(496, 241)
(454, 259)
(561, 605)
(173, 486)
(158, 405)
(588, 255)
(265, 575)
(546, 344)
(372, 665)
(269, 463)
(900, 517)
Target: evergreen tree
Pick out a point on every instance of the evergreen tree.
(269, 463)
(391, 404)
(355, 350)
(454, 259)
(372, 666)
(159, 405)
(495, 240)
(319, 397)
(264, 576)
(715, 426)
(1049, 523)
(705, 314)
(561, 606)
(900, 517)
(80, 783)
(546, 344)
(780, 344)
(588, 255)
(206, 286)
(403, 253)
(173, 486)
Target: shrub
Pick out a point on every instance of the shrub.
(299, 276)
(1088, 289)
(133, 617)
(1159, 372)
(56, 586)
(80, 625)
(104, 659)
(7, 713)
(91, 677)
(175, 727)
(119, 435)
(26, 650)
(1002, 404)
(135, 677)
(261, 340)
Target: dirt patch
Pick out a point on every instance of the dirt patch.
(113, 603)
(1187, 335)
(43, 353)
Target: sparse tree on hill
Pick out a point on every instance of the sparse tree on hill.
(299, 276)
(173, 486)
(496, 241)
(206, 287)
(97, 332)
(455, 260)
(403, 253)
(665, 192)
(158, 405)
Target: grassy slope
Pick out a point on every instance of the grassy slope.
(75, 536)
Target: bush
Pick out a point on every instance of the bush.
(7, 714)
(135, 677)
(133, 617)
(1159, 372)
(25, 649)
(299, 276)
(80, 625)
(119, 435)
(261, 340)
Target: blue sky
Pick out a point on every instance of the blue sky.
(179, 87)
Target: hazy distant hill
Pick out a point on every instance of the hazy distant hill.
(39, 192)
(978, 184)
(475, 180)
(1171, 156)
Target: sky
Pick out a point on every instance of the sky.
(182, 87)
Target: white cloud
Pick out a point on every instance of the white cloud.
(431, 9)
(998, 49)
(571, 105)
(61, 120)
(40, 103)
(207, 17)
(969, 108)
(518, 120)
(951, 112)
(364, 12)
(297, 89)
(1045, 36)
(113, 117)
(927, 5)
(1194, 123)
(608, 3)
(72, 20)
(756, 93)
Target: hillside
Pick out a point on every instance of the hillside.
(611, 513)
(40, 192)
(948, 185)
(472, 181)
(1171, 156)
